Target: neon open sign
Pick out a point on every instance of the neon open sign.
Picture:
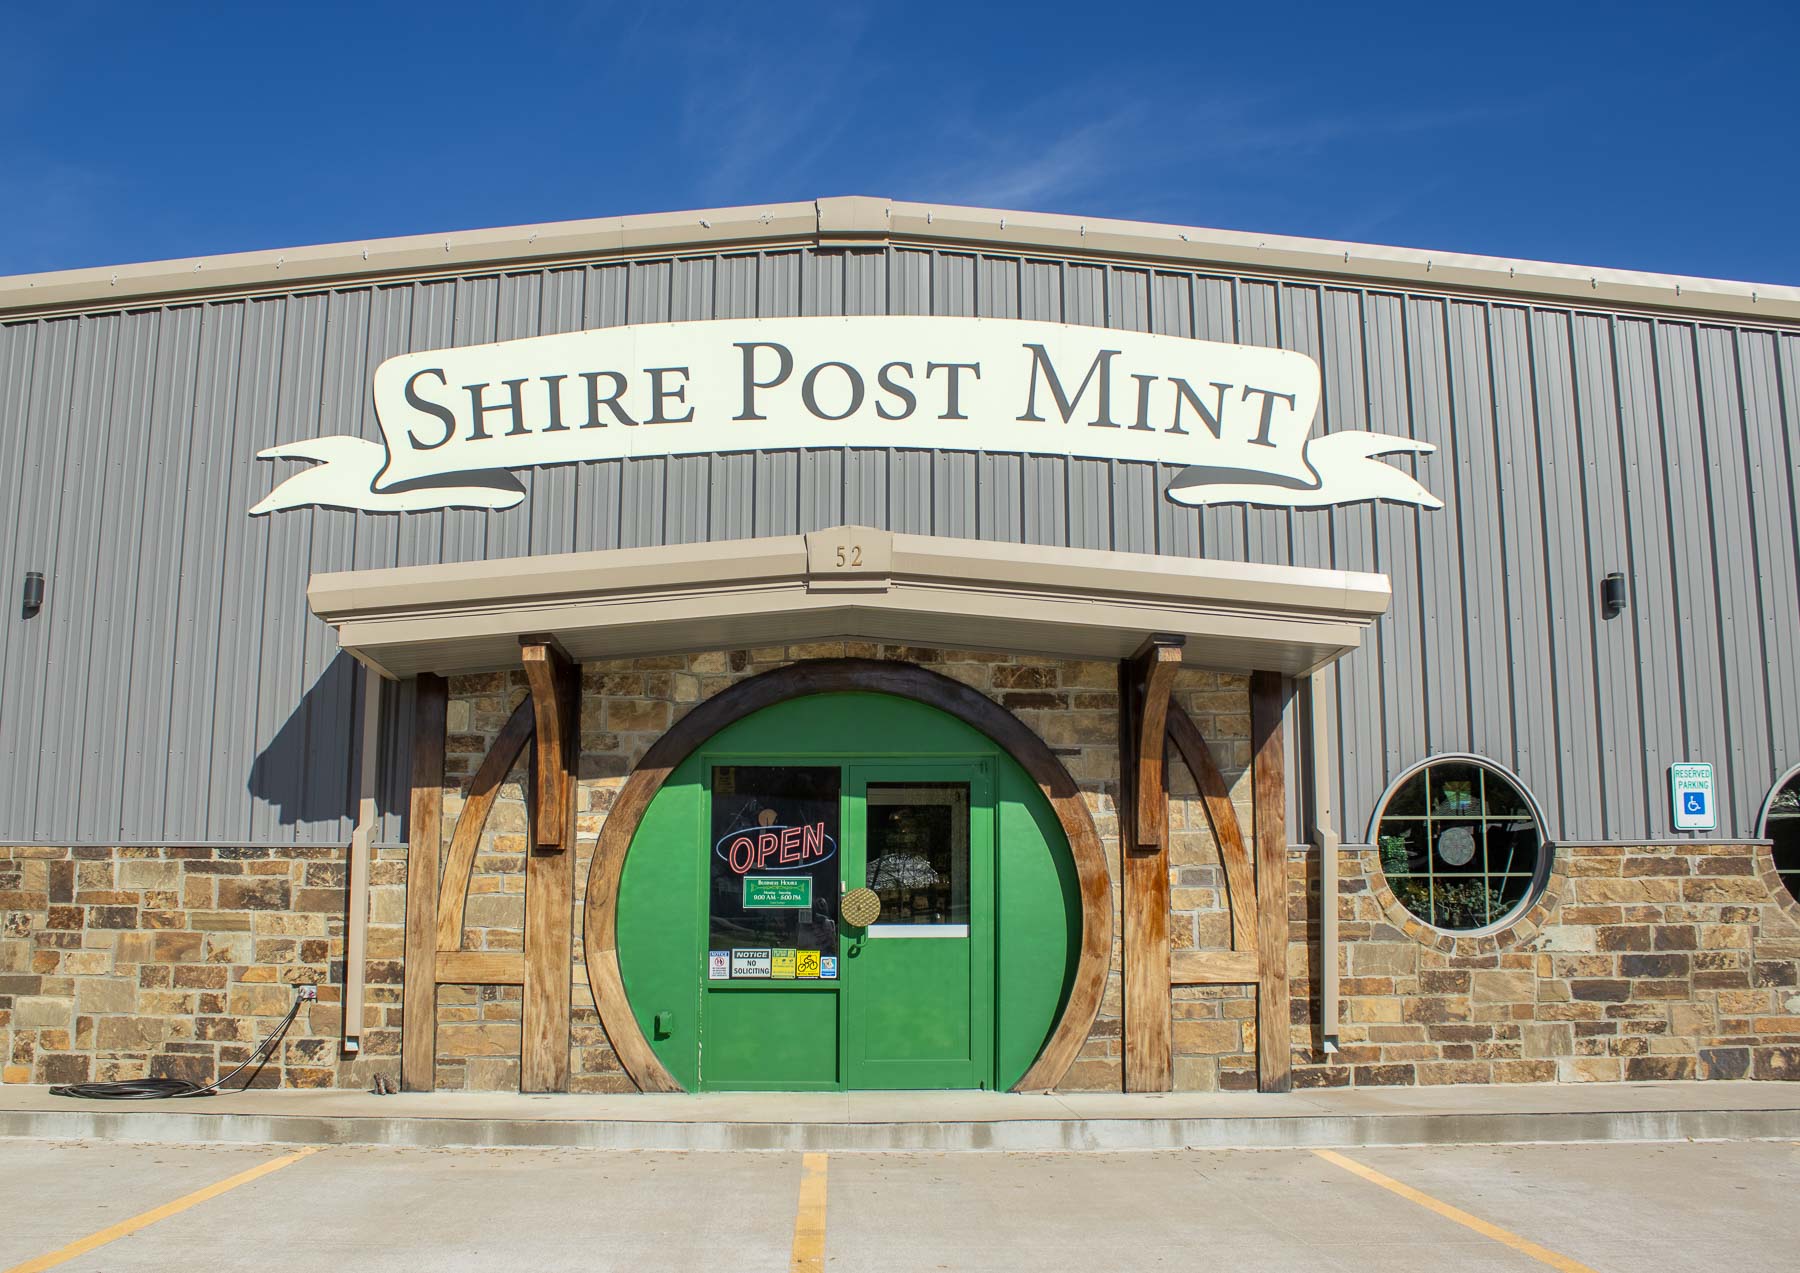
(755, 849)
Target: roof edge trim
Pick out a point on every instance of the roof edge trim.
(848, 221)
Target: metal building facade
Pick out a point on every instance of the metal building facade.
(176, 690)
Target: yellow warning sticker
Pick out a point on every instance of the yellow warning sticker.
(806, 963)
(782, 966)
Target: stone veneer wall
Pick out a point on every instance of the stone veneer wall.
(1637, 963)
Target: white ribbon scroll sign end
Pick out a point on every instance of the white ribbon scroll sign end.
(1344, 469)
(344, 477)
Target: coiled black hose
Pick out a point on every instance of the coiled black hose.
(159, 1089)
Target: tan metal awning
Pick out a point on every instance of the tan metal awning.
(847, 582)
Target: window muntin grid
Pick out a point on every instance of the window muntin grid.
(1460, 845)
(1782, 825)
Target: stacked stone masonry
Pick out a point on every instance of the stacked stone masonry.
(1635, 963)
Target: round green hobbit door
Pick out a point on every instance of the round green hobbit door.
(848, 890)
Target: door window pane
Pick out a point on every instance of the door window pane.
(774, 869)
(918, 851)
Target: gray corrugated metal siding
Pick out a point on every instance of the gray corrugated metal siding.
(175, 689)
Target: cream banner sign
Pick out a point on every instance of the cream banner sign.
(1234, 419)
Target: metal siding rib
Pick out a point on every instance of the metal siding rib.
(516, 309)
(97, 814)
(1617, 689)
(242, 598)
(953, 494)
(1351, 545)
(1571, 591)
(280, 741)
(68, 678)
(1040, 291)
(31, 647)
(327, 718)
(18, 345)
(431, 326)
(197, 597)
(1265, 531)
(555, 492)
(777, 285)
(1442, 668)
(822, 283)
(776, 493)
(821, 489)
(909, 491)
(1485, 594)
(1529, 696)
(1739, 680)
(728, 492)
(865, 282)
(997, 287)
(1653, 593)
(909, 282)
(1216, 318)
(476, 315)
(952, 284)
(999, 489)
(1044, 513)
(1686, 475)
(1401, 670)
(865, 488)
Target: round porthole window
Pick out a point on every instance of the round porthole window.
(1781, 824)
(1461, 844)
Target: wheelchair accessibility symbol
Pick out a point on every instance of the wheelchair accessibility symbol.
(1695, 804)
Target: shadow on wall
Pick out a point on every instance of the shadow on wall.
(309, 772)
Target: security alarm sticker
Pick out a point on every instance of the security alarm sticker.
(828, 967)
(751, 963)
(718, 965)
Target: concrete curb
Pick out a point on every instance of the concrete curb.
(1030, 1135)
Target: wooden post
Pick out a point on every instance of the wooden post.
(1268, 699)
(418, 1018)
(1145, 682)
(550, 868)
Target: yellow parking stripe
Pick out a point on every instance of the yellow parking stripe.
(126, 1227)
(809, 1220)
(1543, 1255)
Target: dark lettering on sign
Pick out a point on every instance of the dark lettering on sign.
(755, 849)
(430, 408)
(1041, 367)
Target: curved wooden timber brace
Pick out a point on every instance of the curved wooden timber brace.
(550, 867)
(831, 676)
(1145, 683)
(436, 898)
(1256, 885)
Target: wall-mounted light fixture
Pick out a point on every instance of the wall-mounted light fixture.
(1612, 595)
(32, 598)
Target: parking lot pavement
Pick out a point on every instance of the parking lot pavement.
(1570, 1207)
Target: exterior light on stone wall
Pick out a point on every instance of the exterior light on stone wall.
(1612, 595)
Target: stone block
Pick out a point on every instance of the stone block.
(38, 1012)
(1503, 987)
(129, 1034)
(106, 994)
(472, 1039)
(254, 894)
(1724, 1063)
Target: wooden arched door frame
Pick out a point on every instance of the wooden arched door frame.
(831, 676)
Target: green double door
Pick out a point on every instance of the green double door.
(799, 994)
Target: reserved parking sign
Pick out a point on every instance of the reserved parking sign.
(1691, 790)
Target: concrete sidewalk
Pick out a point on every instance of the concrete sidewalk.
(941, 1121)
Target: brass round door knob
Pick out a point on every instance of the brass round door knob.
(860, 907)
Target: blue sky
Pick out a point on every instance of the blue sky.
(1645, 136)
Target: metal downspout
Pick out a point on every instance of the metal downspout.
(356, 939)
(1321, 691)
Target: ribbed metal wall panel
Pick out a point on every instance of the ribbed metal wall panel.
(176, 690)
